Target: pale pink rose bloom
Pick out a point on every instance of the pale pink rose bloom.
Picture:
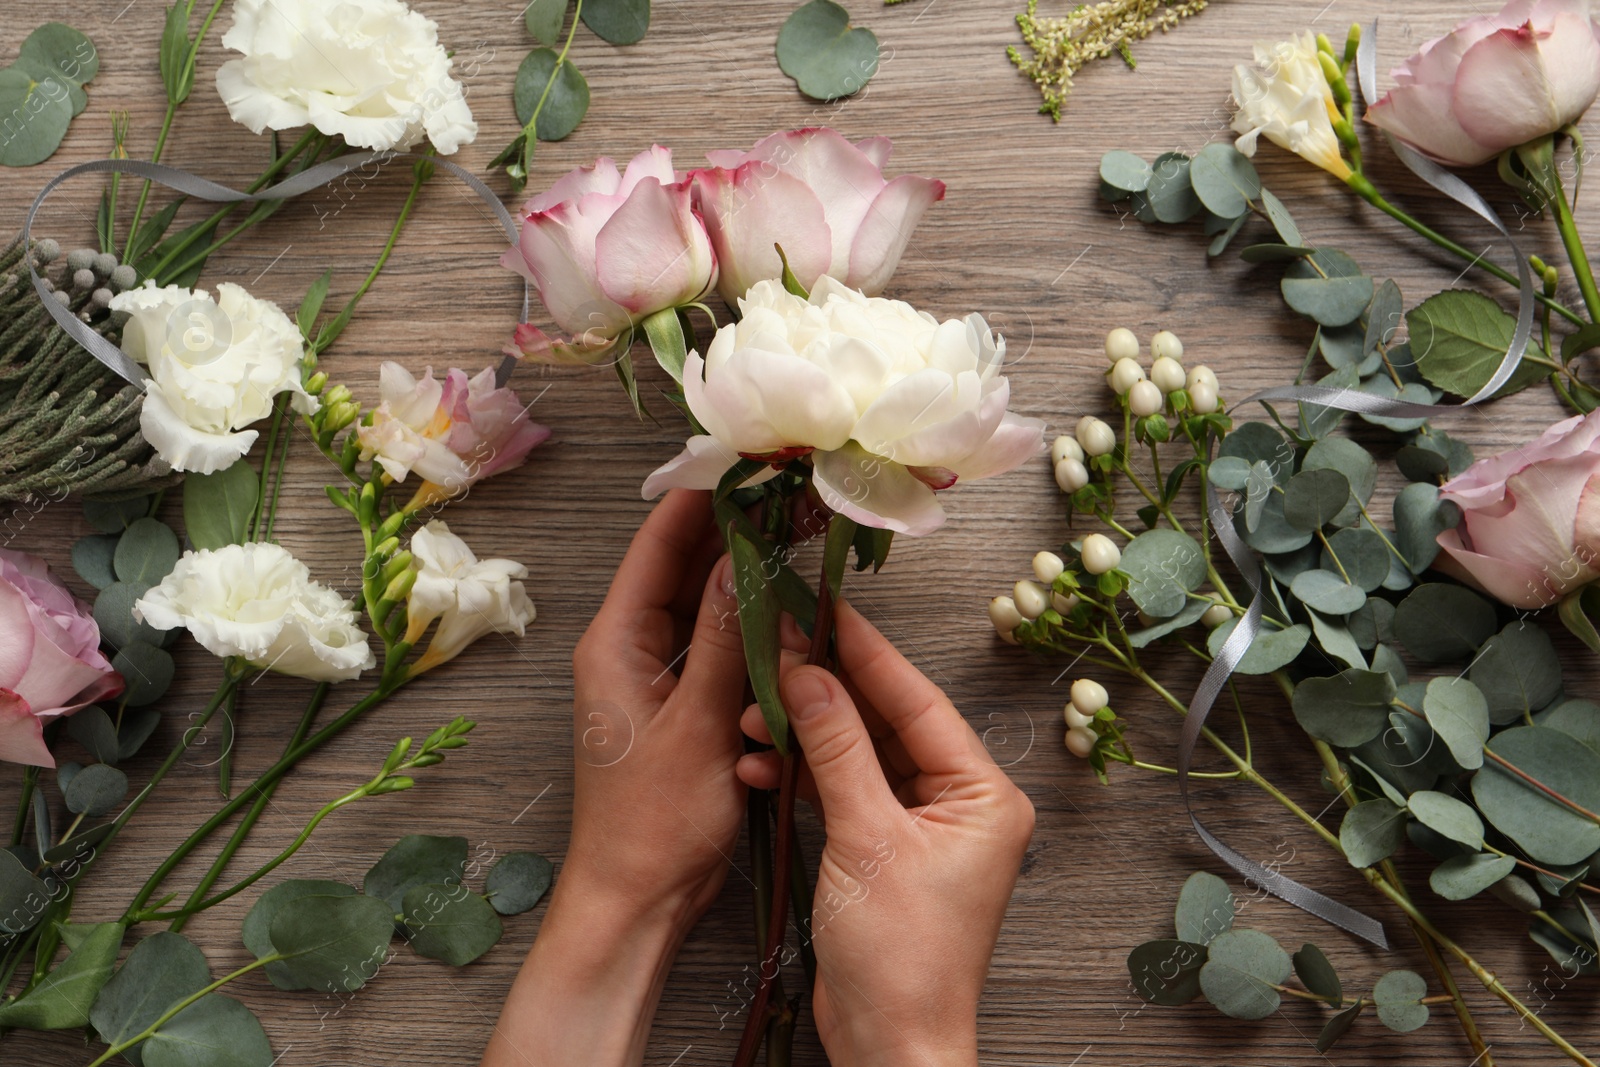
(50, 659)
(822, 198)
(1530, 517)
(606, 250)
(1495, 82)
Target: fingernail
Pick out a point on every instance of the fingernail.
(807, 695)
(725, 580)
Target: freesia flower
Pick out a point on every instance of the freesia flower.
(606, 250)
(822, 198)
(370, 71)
(50, 660)
(1530, 517)
(1495, 82)
(470, 597)
(889, 403)
(453, 433)
(258, 602)
(1286, 98)
(215, 366)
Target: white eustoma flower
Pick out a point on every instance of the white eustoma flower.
(470, 597)
(889, 403)
(1286, 97)
(258, 602)
(370, 71)
(215, 366)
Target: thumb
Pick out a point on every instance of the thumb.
(837, 748)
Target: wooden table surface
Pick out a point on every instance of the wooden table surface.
(1022, 237)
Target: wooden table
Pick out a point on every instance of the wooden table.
(1021, 237)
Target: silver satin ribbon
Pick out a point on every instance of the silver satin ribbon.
(199, 188)
(1249, 626)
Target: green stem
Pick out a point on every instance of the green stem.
(149, 1031)
(30, 779)
(277, 486)
(530, 131)
(278, 408)
(1576, 255)
(225, 760)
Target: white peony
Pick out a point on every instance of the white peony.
(890, 403)
(215, 366)
(258, 602)
(370, 71)
(1287, 98)
(470, 597)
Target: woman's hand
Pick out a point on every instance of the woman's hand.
(925, 835)
(657, 805)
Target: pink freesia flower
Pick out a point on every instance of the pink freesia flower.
(452, 433)
(606, 250)
(1530, 517)
(1495, 82)
(50, 660)
(822, 198)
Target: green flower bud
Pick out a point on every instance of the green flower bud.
(392, 569)
(400, 588)
(316, 383)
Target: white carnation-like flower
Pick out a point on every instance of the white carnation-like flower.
(215, 366)
(470, 597)
(889, 403)
(1286, 98)
(370, 71)
(258, 602)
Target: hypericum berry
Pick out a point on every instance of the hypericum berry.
(1030, 598)
(1080, 741)
(1089, 696)
(1065, 447)
(1165, 343)
(1168, 374)
(1074, 717)
(1215, 616)
(1071, 475)
(1144, 399)
(1121, 344)
(1200, 374)
(1063, 603)
(1047, 567)
(1095, 436)
(1124, 373)
(1100, 554)
(1005, 616)
(1203, 398)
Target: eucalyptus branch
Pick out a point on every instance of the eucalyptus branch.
(150, 1031)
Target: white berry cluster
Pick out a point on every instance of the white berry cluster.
(1089, 703)
(1146, 396)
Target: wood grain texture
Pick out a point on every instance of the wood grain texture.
(1021, 237)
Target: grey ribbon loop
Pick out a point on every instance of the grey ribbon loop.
(199, 188)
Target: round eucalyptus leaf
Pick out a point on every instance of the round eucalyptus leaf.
(39, 71)
(1272, 533)
(1458, 713)
(1257, 442)
(1187, 617)
(1205, 908)
(113, 613)
(1313, 498)
(92, 728)
(1398, 996)
(1229, 472)
(417, 859)
(826, 56)
(137, 726)
(1446, 815)
(1549, 831)
(257, 930)
(617, 21)
(1514, 890)
(335, 943)
(1518, 671)
(1438, 622)
(1396, 757)
(1387, 660)
(1271, 649)
(67, 52)
(1409, 392)
(1328, 287)
(1240, 972)
(95, 790)
(1579, 719)
(1419, 519)
(517, 882)
(566, 102)
(1363, 555)
(1317, 974)
(1224, 179)
(1327, 592)
(1333, 636)
(1280, 218)
(92, 557)
(449, 923)
(545, 19)
(1347, 709)
(1371, 831)
(1349, 459)
(39, 111)
(1468, 875)
(1167, 972)
(1343, 346)
(113, 516)
(1386, 787)
(1164, 567)
(1171, 196)
(1385, 315)
(214, 1031)
(1273, 253)
(161, 970)
(147, 669)
(1125, 171)
(1284, 567)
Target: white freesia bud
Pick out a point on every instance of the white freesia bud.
(1121, 344)
(1203, 398)
(1100, 554)
(1200, 374)
(1215, 616)
(1286, 97)
(1076, 718)
(1005, 616)
(1065, 447)
(1168, 375)
(1071, 475)
(1124, 373)
(1095, 436)
(1030, 598)
(1080, 741)
(1047, 567)
(1165, 345)
(1145, 399)
(1063, 602)
(1089, 696)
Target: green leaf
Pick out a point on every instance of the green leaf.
(1205, 908)
(1338, 1026)
(1371, 831)
(564, 105)
(1125, 171)
(1327, 592)
(1398, 996)
(1467, 876)
(1363, 555)
(1518, 671)
(1411, 393)
(1320, 420)
(335, 943)
(1272, 533)
(1574, 612)
(1224, 179)
(1229, 472)
(137, 726)
(95, 790)
(665, 333)
(1240, 972)
(449, 923)
(257, 930)
(1548, 830)
(67, 53)
(1334, 637)
(1571, 946)
(173, 53)
(41, 71)
(152, 229)
(1578, 719)
(1446, 815)
(23, 897)
(1257, 442)
(1280, 218)
(416, 859)
(148, 670)
(1167, 971)
(39, 111)
(1438, 622)
(823, 53)
(161, 970)
(1384, 317)
(1317, 974)
(214, 1031)
(1187, 617)
(1346, 709)
(92, 728)
(545, 19)
(147, 552)
(217, 508)
(1419, 519)
(1271, 649)
(1458, 339)
(311, 306)
(758, 622)
(92, 556)
(517, 882)
(1220, 241)
(61, 1000)
(1328, 287)
(1312, 498)
(113, 516)
(1458, 713)
(1351, 460)
(616, 21)
(1272, 252)
(1165, 566)
(1170, 195)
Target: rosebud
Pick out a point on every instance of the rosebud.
(1089, 696)
(1074, 717)
(1047, 567)
(1124, 373)
(1005, 616)
(1095, 436)
(1167, 373)
(1203, 398)
(1081, 741)
(1215, 616)
(1144, 399)
(1165, 345)
(1121, 344)
(1071, 475)
(1030, 598)
(1065, 447)
(1100, 554)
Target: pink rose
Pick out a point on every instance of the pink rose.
(1530, 517)
(50, 660)
(606, 250)
(1495, 82)
(822, 198)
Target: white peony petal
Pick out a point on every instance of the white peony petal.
(876, 492)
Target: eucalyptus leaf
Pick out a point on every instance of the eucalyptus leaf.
(1419, 519)
(566, 101)
(826, 56)
(449, 923)
(1272, 533)
(1371, 831)
(1384, 316)
(1167, 971)
(1257, 493)
(1271, 650)
(1318, 421)
(217, 508)
(1257, 442)
(1327, 592)
(1317, 974)
(1338, 1025)
(1548, 830)
(1328, 287)
(1458, 713)
(1313, 498)
(113, 516)
(1579, 719)
(1468, 875)
(1518, 671)
(1407, 392)
(1229, 472)
(1240, 971)
(214, 1031)
(257, 930)
(1187, 617)
(95, 790)
(617, 21)
(62, 998)
(334, 943)
(1170, 193)
(147, 669)
(1280, 218)
(1446, 815)
(1351, 460)
(1346, 709)
(1361, 553)
(1165, 566)
(137, 726)
(1271, 252)
(1125, 171)
(92, 728)
(1344, 346)
(1398, 996)
(161, 970)
(92, 557)
(416, 859)
(1570, 946)
(1458, 339)
(1205, 908)
(146, 552)
(1224, 179)
(40, 112)
(1514, 890)
(22, 896)
(545, 18)
(518, 881)
(1387, 660)
(1335, 640)
(1439, 622)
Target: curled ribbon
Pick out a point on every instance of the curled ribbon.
(1249, 625)
(199, 188)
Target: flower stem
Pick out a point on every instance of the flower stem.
(1576, 255)
(30, 779)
